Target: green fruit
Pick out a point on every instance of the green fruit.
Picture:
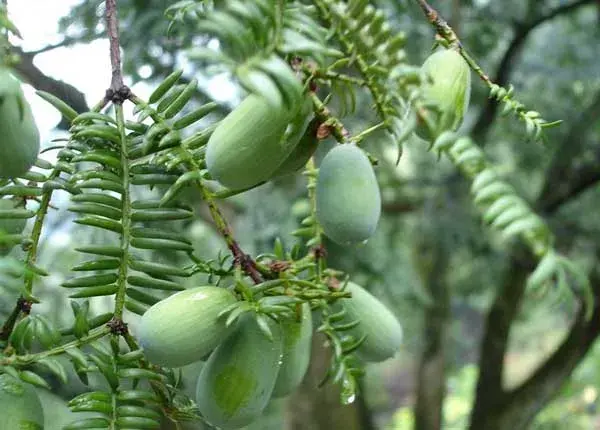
(347, 196)
(297, 338)
(185, 327)
(324, 147)
(251, 142)
(10, 226)
(19, 135)
(302, 152)
(272, 418)
(449, 90)
(20, 405)
(381, 327)
(236, 383)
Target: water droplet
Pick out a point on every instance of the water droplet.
(348, 394)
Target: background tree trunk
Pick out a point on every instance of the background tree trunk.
(431, 383)
(311, 408)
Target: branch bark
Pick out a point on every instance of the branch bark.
(112, 27)
(30, 73)
(526, 401)
(490, 395)
(566, 178)
(522, 32)
(431, 385)
(495, 408)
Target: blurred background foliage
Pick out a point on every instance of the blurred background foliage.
(431, 260)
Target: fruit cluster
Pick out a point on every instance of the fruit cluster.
(258, 142)
(244, 368)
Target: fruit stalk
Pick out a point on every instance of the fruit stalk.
(247, 264)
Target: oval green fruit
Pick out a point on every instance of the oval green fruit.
(10, 226)
(297, 339)
(20, 405)
(249, 144)
(185, 327)
(449, 90)
(347, 196)
(19, 135)
(236, 383)
(272, 418)
(381, 327)
(302, 152)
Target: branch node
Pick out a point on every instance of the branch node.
(117, 327)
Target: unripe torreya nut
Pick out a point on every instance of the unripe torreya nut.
(381, 327)
(185, 327)
(236, 383)
(19, 135)
(10, 226)
(300, 155)
(20, 405)
(252, 141)
(297, 339)
(348, 200)
(449, 91)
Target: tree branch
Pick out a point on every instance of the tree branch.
(522, 32)
(30, 73)
(112, 27)
(489, 391)
(565, 178)
(564, 181)
(66, 42)
(431, 388)
(526, 400)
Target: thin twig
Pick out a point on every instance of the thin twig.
(246, 262)
(21, 306)
(112, 27)
(445, 32)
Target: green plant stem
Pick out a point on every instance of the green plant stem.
(279, 11)
(370, 82)
(357, 138)
(241, 258)
(333, 76)
(318, 254)
(93, 335)
(42, 211)
(126, 219)
(324, 115)
(30, 260)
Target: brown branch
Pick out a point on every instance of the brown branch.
(522, 32)
(566, 178)
(31, 74)
(489, 392)
(66, 42)
(243, 260)
(493, 404)
(432, 261)
(527, 400)
(112, 27)
(22, 305)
